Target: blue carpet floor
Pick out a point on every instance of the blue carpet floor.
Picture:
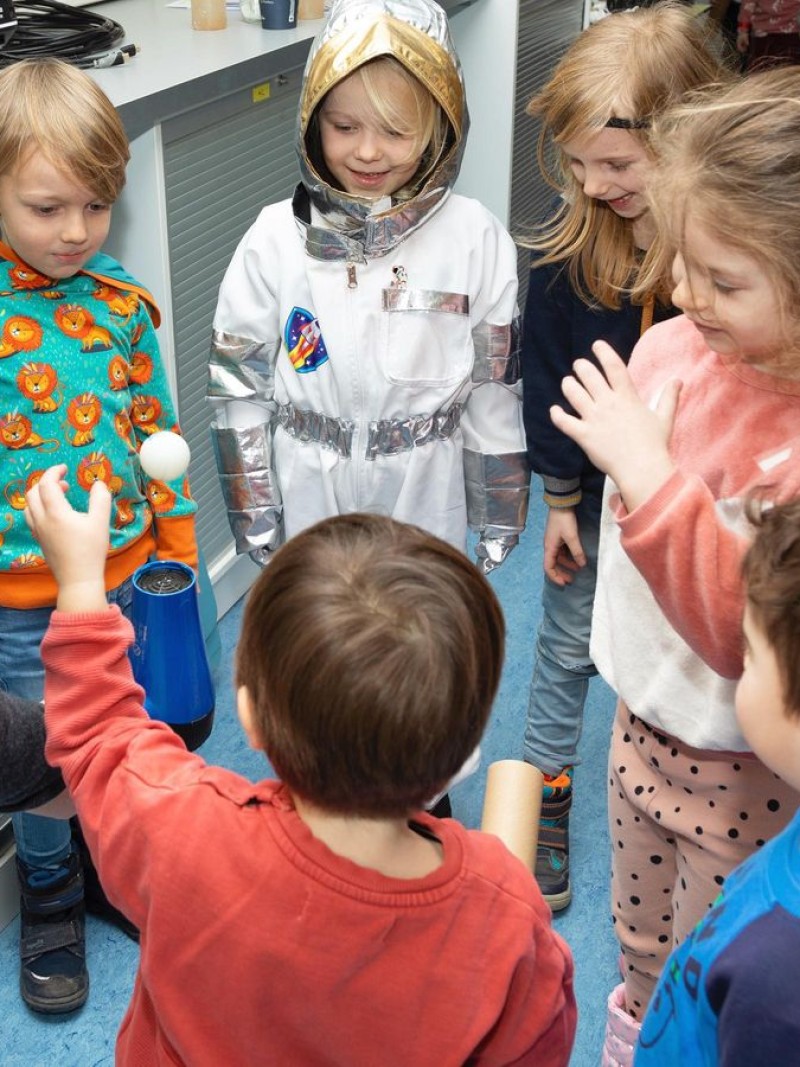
(86, 1038)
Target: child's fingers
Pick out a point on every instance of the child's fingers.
(568, 424)
(584, 388)
(33, 503)
(573, 557)
(50, 491)
(100, 503)
(668, 402)
(613, 366)
(54, 474)
(590, 377)
(29, 513)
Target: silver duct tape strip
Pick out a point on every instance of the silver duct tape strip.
(346, 236)
(260, 530)
(329, 245)
(240, 368)
(388, 437)
(252, 497)
(497, 491)
(244, 461)
(497, 353)
(325, 430)
(425, 300)
(244, 448)
(251, 491)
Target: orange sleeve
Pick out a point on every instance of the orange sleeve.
(175, 539)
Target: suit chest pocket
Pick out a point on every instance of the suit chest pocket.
(426, 337)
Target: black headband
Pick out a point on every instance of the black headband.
(628, 124)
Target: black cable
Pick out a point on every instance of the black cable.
(47, 28)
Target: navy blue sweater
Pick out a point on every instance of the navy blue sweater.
(558, 328)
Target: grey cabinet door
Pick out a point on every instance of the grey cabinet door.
(546, 29)
(222, 163)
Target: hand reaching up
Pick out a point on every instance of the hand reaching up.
(619, 433)
(75, 543)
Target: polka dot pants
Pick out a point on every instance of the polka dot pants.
(680, 820)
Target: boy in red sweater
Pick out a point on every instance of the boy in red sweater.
(323, 917)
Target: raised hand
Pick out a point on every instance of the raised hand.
(615, 428)
(75, 543)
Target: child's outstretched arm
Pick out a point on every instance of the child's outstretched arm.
(75, 544)
(620, 434)
(98, 732)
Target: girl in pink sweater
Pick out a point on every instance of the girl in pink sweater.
(707, 412)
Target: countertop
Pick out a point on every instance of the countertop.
(180, 68)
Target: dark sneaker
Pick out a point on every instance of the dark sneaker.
(53, 977)
(97, 903)
(552, 854)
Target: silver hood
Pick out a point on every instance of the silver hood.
(415, 33)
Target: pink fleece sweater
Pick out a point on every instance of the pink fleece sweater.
(259, 944)
(666, 630)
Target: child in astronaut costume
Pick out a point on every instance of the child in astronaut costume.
(365, 344)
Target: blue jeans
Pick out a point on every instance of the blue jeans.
(562, 667)
(41, 842)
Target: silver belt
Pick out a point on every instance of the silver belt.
(386, 437)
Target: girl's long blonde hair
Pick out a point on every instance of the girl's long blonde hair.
(729, 160)
(631, 66)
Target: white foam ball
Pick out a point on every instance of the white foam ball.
(165, 456)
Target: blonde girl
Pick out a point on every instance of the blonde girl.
(595, 149)
(707, 413)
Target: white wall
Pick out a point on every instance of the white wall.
(485, 36)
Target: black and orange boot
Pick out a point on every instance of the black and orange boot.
(552, 853)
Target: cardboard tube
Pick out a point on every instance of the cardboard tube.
(310, 9)
(511, 806)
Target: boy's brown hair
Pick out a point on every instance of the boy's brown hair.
(49, 105)
(371, 652)
(771, 571)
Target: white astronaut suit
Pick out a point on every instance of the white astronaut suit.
(365, 354)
